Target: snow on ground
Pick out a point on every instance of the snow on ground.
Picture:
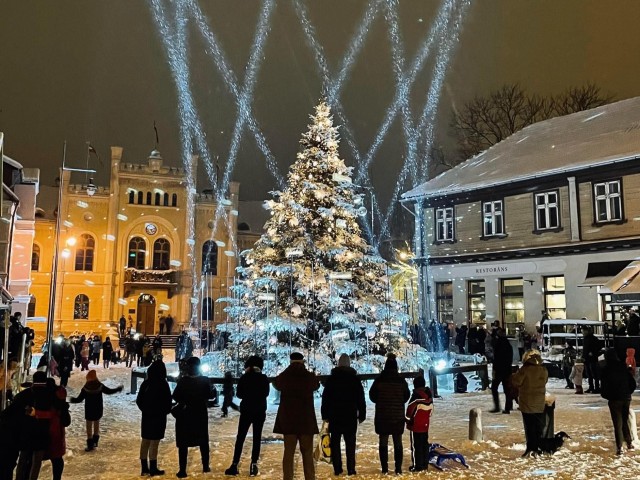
(588, 455)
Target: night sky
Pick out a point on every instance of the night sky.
(95, 70)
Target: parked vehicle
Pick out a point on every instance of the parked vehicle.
(555, 333)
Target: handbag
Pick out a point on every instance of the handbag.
(322, 451)
(178, 410)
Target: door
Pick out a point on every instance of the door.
(147, 314)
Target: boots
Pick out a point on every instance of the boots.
(89, 445)
(579, 390)
(144, 470)
(96, 439)
(253, 470)
(232, 470)
(154, 470)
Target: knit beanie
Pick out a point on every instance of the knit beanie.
(296, 357)
(344, 360)
(391, 363)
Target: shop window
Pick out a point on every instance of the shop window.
(444, 301)
(512, 297)
(555, 299)
(476, 301)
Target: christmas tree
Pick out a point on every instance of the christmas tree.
(312, 283)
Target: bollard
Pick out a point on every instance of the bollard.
(633, 427)
(475, 424)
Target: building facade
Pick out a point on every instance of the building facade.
(134, 248)
(537, 223)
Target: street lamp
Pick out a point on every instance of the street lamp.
(56, 248)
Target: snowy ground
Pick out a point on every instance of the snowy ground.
(588, 455)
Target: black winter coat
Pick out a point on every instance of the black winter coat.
(616, 382)
(91, 393)
(154, 401)
(502, 357)
(343, 401)
(591, 348)
(296, 413)
(253, 389)
(192, 425)
(107, 350)
(389, 392)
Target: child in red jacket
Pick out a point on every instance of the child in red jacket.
(418, 416)
(631, 361)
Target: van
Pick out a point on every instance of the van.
(555, 333)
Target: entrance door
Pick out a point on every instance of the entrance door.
(147, 314)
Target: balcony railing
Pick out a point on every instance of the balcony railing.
(164, 279)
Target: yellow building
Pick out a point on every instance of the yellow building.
(126, 250)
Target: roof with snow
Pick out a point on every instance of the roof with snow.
(607, 134)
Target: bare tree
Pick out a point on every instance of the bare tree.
(485, 121)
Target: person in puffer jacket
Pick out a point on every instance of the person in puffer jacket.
(418, 417)
(576, 375)
(631, 361)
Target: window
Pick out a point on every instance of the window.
(547, 210)
(476, 300)
(137, 253)
(444, 224)
(35, 258)
(161, 253)
(158, 198)
(607, 201)
(492, 218)
(210, 258)
(166, 200)
(140, 197)
(174, 200)
(555, 300)
(512, 296)
(84, 253)
(444, 301)
(132, 196)
(31, 308)
(81, 307)
(148, 198)
(207, 309)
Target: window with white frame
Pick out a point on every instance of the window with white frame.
(547, 210)
(607, 201)
(492, 218)
(444, 224)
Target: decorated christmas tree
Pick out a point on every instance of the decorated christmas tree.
(312, 283)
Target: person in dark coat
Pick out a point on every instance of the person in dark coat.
(130, 350)
(617, 386)
(461, 338)
(65, 364)
(501, 373)
(296, 418)
(154, 401)
(168, 324)
(343, 406)
(633, 324)
(77, 350)
(107, 350)
(228, 393)
(184, 346)
(96, 346)
(192, 421)
(91, 394)
(389, 392)
(122, 324)
(253, 390)
(60, 419)
(590, 353)
(139, 346)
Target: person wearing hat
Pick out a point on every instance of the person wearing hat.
(253, 390)
(343, 406)
(192, 394)
(91, 394)
(296, 418)
(418, 418)
(530, 382)
(389, 392)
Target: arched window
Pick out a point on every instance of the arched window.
(148, 198)
(210, 258)
(81, 307)
(174, 200)
(166, 200)
(140, 197)
(207, 309)
(132, 196)
(31, 308)
(137, 253)
(35, 258)
(157, 198)
(161, 253)
(84, 252)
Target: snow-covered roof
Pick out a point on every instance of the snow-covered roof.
(602, 135)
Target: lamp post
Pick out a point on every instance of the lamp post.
(91, 189)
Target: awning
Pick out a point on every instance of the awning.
(599, 273)
(622, 279)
